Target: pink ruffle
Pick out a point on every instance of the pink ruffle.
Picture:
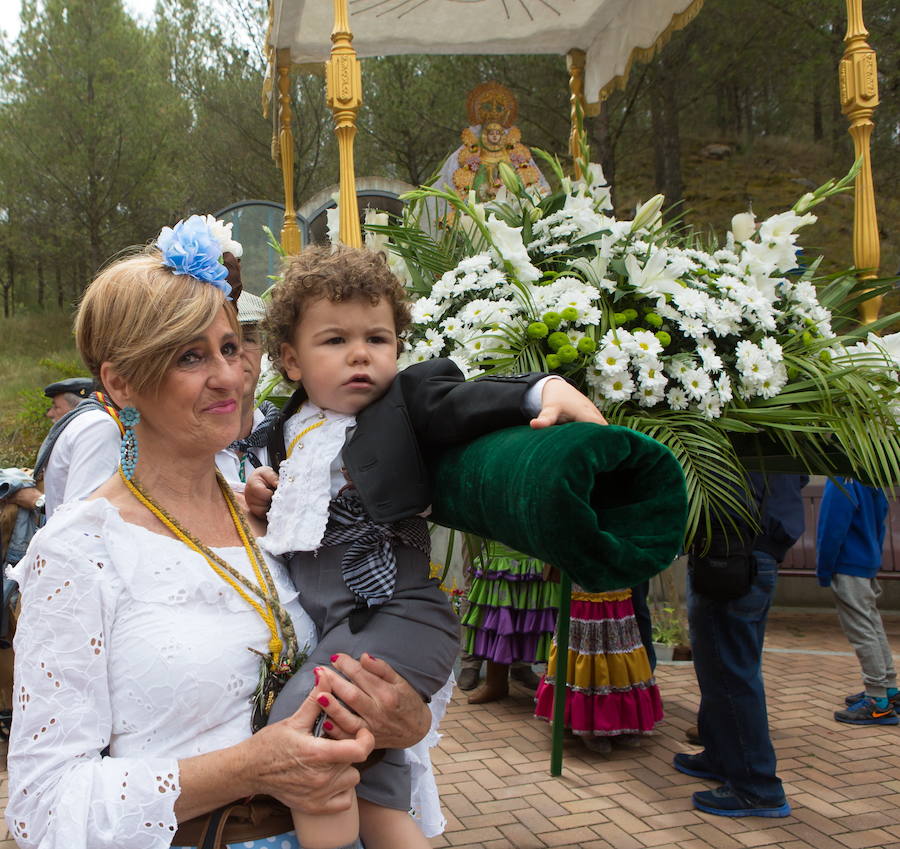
(634, 711)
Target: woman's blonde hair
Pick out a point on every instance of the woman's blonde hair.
(137, 314)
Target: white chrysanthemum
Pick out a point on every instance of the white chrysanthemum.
(692, 301)
(650, 373)
(692, 327)
(426, 311)
(709, 359)
(723, 387)
(463, 363)
(611, 359)
(677, 399)
(643, 344)
(724, 318)
(710, 406)
(481, 311)
(619, 338)
(696, 383)
(649, 396)
(617, 386)
(434, 341)
(680, 365)
(770, 385)
(422, 351)
(772, 349)
(453, 328)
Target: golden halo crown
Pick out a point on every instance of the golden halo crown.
(491, 102)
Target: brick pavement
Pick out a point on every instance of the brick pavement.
(843, 781)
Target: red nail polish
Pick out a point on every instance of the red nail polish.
(372, 656)
(334, 657)
(328, 726)
(316, 674)
(323, 700)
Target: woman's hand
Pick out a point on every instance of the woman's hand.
(259, 490)
(378, 699)
(562, 402)
(309, 774)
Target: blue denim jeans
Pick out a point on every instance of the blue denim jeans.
(727, 642)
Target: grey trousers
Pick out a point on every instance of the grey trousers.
(415, 631)
(856, 601)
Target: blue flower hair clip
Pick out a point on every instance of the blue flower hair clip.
(195, 247)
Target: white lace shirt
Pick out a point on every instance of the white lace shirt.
(126, 638)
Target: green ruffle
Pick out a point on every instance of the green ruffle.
(522, 595)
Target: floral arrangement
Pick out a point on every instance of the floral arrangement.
(195, 247)
(732, 354)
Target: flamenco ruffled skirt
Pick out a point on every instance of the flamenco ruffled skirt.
(610, 689)
(512, 610)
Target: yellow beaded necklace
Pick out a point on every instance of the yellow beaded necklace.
(284, 656)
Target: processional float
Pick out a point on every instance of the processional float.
(600, 39)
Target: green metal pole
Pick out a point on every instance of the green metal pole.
(562, 670)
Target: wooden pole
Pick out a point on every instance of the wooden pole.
(290, 233)
(858, 75)
(575, 63)
(344, 95)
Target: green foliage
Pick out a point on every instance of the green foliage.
(669, 626)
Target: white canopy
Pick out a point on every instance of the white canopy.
(608, 31)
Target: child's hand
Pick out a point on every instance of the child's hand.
(258, 492)
(562, 402)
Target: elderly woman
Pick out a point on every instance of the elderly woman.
(150, 618)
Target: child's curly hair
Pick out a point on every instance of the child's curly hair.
(339, 275)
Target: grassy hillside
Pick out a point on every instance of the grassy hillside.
(37, 349)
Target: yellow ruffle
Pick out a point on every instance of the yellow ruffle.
(603, 671)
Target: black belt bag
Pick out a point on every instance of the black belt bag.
(722, 578)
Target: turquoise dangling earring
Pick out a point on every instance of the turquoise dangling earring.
(128, 449)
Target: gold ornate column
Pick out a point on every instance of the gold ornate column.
(575, 64)
(344, 92)
(859, 97)
(290, 233)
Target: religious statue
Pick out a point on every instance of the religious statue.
(490, 139)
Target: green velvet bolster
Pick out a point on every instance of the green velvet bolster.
(607, 505)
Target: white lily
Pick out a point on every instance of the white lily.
(508, 242)
(743, 226)
(648, 214)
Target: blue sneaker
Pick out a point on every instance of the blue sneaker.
(695, 765)
(724, 802)
(867, 712)
(858, 697)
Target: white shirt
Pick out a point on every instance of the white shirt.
(85, 456)
(126, 638)
(229, 464)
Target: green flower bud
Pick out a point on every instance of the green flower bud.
(619, 318)
(569, 314)
(535, 213)
(807, 337)
(586, 345)
(653, 319)
(553, 361)
(631, 314)
(637, 329)
(825, 356)
(557, 340)
(664, 339)
(551, 319)
(537, 330)
(567, 354)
